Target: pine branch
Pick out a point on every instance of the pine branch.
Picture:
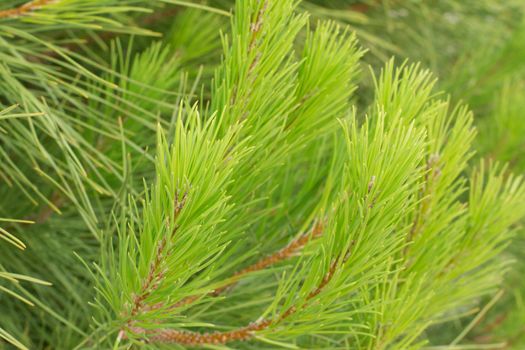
(258, 155)
(283, 254)
(26, 8)
(241, 334)
(156, 272)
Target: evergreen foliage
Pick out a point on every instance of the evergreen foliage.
(262, 174)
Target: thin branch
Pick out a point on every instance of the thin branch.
(240, 334)
(152, 280)
(45, 214)
(155, 273)
(360, 7)
(25, 9)
(283, 254)
(194, 339)
(364, 7)
(244, 333)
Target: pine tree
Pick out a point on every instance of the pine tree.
(262, 174)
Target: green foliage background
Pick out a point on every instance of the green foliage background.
(185, 140)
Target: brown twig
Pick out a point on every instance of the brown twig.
(152, 280)
(283, 254)
(150, 284)
(156, 273)
(256, 25)
(56, 202)
(244, 333)
(364, 7)
(53, 206)
(25, 9)
(240, 334)
(194, 339)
